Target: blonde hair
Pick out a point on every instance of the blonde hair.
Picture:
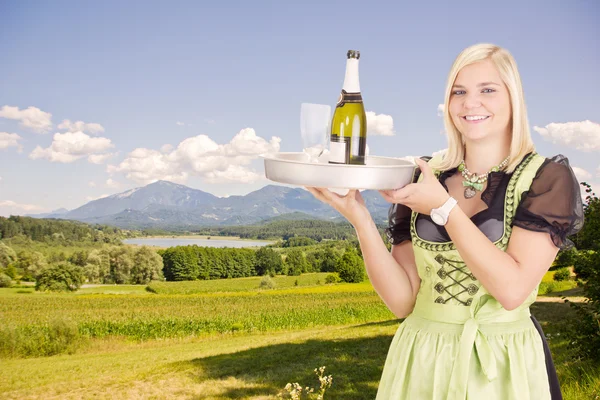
(521, 142)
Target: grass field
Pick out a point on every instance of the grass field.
(228, 341)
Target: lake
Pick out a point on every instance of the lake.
(171, 242)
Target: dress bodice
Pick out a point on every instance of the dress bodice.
(445, 278)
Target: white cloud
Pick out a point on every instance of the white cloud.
(379, 124)
(584, 176)
(100, 158)
(32, 118)
(180, 123)
(199, 156)
(10, 140)
(233, 173)
(8, 207)
(91, 184)
(147, 165)
(583, 135)
(581, 173)
(81, 126)
(166, 148)
(440, 110)
(71, 146)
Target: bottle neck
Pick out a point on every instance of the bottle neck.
(351, 84)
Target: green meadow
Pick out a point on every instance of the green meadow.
(224, 339)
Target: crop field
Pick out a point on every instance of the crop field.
(225, 339)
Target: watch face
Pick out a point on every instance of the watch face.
(437, 219)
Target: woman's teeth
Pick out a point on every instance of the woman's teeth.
(476, 117)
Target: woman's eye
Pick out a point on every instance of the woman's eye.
(457, 91)
(490, 90)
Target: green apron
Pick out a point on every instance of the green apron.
(459, 342)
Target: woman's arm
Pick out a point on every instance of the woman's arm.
(508, 276)
(393, 274)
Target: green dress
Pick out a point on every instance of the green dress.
(459, 342)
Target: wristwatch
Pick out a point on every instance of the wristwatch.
(440, 215)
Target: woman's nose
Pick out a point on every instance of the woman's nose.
(472, 101)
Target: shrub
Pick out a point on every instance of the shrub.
(55, 337)
(64, 277)
(332, 278)
(150, 288)
(5, 280)
(584, 337)
(267, 283)
(295, 391)
(562, 274)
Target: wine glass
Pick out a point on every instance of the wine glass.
(315, 121)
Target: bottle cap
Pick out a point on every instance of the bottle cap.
(354, 54)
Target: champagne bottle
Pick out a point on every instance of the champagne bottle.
(348, 138)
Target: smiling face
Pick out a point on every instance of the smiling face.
(480, 103)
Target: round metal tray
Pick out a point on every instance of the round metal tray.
(379, 173)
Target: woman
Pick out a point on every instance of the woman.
(472, 237)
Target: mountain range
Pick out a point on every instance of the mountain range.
(168, 205)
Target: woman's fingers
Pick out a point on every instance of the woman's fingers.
(333, 199)
(323, 195)
(397, 195)
(315, 192)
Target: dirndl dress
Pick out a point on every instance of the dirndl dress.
(459, 342)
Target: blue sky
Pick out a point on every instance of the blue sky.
(100, 97)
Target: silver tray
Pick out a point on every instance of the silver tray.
(379, 173)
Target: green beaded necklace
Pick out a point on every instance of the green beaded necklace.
(474, 182)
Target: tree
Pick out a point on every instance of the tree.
(350, 266)
(180, 264)
(31, 264)
(296, 241)
(584, 336)
(296, 262)
(78, 258)
(267, 261)
(589, 236)
(147, 266)
(7, 255)
(329, 261)
(60, 278)
(97, 267)
(121, 262)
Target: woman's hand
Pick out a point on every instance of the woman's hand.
(421, 197)
(351, 206)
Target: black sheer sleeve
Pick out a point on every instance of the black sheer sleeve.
(553, 202)
(398, 229)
